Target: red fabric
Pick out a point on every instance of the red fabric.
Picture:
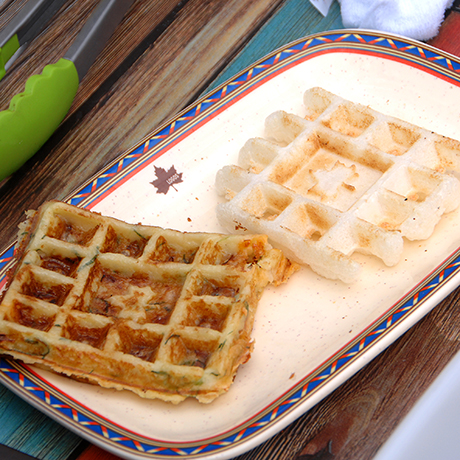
(447, 39)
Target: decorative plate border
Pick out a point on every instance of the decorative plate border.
(23, 381)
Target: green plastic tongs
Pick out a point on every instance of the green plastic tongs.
(35, 114)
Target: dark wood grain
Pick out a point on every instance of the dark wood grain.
(113, 112)
(140, 28)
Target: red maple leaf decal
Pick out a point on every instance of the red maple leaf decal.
(166, 179)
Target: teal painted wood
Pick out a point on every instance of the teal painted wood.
(295, 19)
(28, 430)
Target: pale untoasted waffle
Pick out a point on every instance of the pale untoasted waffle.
(162, 313)
(340, 180)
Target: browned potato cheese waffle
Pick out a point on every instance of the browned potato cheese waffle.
(159, 312)
(342, 179)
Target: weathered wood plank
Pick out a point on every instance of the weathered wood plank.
(54, 41)
(165, 78)
(26, 429)
(294, 20)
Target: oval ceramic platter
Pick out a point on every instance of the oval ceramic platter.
(310, 334)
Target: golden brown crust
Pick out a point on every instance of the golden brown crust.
(158, 312)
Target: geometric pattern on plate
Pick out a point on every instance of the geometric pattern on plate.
(343, 179)
(162, 313)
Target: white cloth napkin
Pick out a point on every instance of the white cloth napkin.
(418, 19)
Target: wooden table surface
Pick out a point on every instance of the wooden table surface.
(163, 56)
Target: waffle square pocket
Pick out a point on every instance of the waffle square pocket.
(342, 178)
(163, 313)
